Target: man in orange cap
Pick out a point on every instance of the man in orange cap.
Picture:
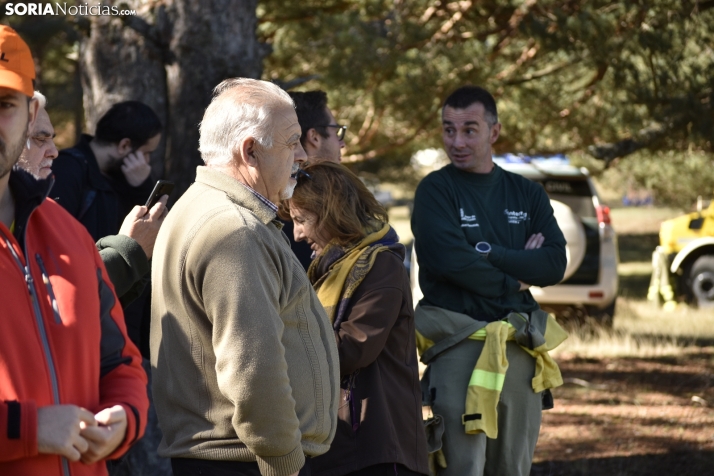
(72, 390)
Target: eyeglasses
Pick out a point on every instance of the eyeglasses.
(340, 130)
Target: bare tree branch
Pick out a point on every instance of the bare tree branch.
(643, 138)
(542, 73)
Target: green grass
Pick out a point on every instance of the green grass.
(640, 220)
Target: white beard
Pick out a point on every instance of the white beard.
(287, 192)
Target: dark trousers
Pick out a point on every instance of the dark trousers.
(205, 467)
(385, 469)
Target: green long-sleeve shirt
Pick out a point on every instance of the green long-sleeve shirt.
(127, 266)
(454, 210)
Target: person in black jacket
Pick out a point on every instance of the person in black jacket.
(102, 178)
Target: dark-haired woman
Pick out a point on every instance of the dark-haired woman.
(359, 276)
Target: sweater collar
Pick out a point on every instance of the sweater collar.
(28, 193)
(236, 192)
(488, 179)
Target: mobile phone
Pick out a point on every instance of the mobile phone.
(162, 187)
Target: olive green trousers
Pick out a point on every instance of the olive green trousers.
(519, 413)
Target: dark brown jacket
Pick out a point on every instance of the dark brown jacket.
(377, 341)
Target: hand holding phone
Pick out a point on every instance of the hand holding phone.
(143, 224)
(162, 187)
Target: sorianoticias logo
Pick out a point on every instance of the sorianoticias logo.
(515, 218)
(85, 9)
(468, 221)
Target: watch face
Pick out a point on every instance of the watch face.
(483, 247)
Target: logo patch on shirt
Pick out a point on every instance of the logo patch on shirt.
(468, 221)
(515, 218)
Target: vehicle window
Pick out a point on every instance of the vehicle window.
(574, 193)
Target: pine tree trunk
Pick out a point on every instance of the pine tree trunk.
(170, 55)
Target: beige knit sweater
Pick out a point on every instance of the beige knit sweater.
(245, 365)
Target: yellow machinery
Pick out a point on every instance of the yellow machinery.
(683, 263)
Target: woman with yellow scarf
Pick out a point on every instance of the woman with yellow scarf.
(360, 279)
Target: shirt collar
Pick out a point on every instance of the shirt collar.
(239, 193)
(260, 197)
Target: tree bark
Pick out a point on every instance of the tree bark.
(170, 55)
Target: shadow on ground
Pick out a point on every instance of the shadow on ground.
(674, 375)
(683, 463)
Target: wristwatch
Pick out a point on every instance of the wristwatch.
(483, 248)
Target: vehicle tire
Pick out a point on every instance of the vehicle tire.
(701, 282)
(574, 232)
(603, 317)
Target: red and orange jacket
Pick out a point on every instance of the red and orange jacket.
(62, 333)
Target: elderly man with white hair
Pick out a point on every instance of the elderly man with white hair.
(244, 359)
(37, 157)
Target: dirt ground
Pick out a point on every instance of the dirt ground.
(631, 416)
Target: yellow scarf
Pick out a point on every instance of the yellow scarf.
(337, 272)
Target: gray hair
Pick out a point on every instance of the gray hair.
(226, 123)
(40, 98)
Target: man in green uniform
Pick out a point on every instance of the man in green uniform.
(483, 236)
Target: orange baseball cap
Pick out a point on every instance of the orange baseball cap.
(17, 69)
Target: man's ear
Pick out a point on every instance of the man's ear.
(248, 152)
(314, 138)
(124, 147)
(33, 108)
(495, 132)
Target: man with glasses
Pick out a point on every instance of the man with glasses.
(322, 138)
